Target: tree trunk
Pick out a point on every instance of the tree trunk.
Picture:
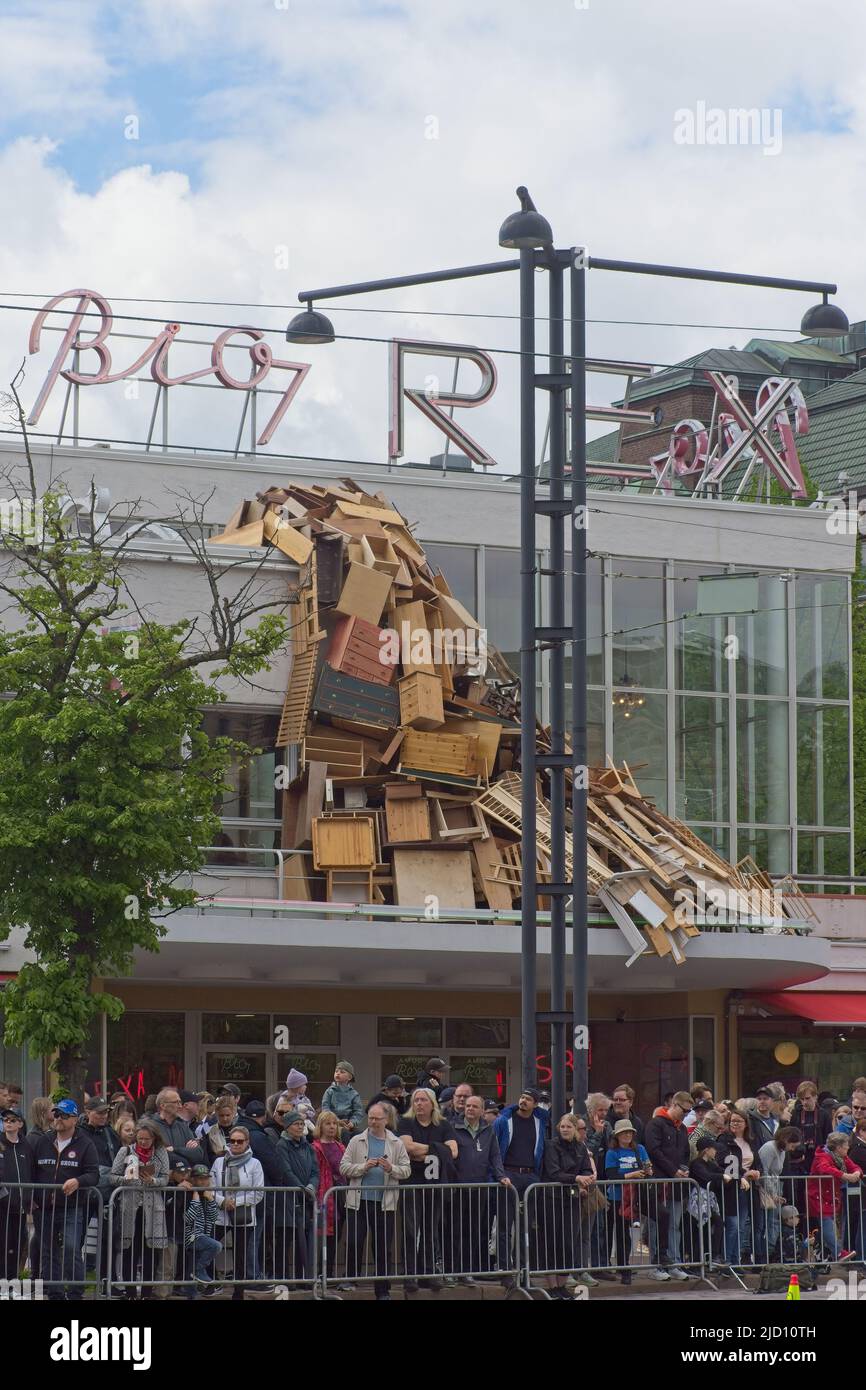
(72, 1071)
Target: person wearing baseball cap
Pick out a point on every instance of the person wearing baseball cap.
(393, 1092)
(189, 1106)
(432, 1077)
(67, 1161)
(16, 1169)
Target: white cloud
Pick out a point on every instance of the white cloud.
(317, 142)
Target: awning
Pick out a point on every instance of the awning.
(819, 1006)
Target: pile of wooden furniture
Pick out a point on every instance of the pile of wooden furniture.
(407, 730)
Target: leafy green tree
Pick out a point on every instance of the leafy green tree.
(108, 786)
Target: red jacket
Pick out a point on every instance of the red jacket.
(327, 1180)
(825, 1197)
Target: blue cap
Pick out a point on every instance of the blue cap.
(65, 1107)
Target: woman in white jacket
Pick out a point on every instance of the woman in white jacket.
(239, 1183)
(375, 1162)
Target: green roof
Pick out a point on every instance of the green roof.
(836, 441)
(804, 351)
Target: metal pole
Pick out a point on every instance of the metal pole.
(527, 668)
(580, 985)
(556, 581)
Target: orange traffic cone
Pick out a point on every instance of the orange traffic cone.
(793, 1289)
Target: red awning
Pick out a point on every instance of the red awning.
(819, 1007)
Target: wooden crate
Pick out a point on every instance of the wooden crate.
(421, 701)
(356, 649)
(407, 817)
(363, 704)
(344, 842)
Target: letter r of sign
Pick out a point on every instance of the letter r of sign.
(435, 409)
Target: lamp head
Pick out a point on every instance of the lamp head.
(310, 326)
(824, 321)
(526, 229)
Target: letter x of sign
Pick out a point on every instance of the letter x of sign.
(788, 472)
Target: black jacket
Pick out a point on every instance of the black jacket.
(105, 1141)
(301, 1170)
(763, 1133)
(814, 1127)
(268, 1153)
(479, 1159)
(564, 1160)
(16, 1166)
(429, 1083)
(176, 1136)
(667, 1145)
(639, 1126)
(78, 1160)
(708, 1174)
(401, 1106)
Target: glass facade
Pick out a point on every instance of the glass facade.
(726, 691)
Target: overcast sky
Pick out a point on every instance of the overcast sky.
(281, 144)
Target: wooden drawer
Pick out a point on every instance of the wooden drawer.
(356, 649)
(451, 754)
(361, 703)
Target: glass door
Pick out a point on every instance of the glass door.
(249, 1068)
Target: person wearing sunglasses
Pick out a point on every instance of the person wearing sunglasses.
(68, 1161)
(238, 1182)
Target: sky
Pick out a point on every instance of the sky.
(240, 150)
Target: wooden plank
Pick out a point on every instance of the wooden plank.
(297, 884)
(287, 538)
(488, 860)
(301, 805)
(384, 514)
(364, 593)
(446, 874)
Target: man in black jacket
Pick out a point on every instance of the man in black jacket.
(16, 1170)
(667, 1143)
(106, 1142)
(68, 1161)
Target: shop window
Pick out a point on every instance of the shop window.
(310, 1030)
(478, 1032)
(407, 1065)
(822, 764)
(830, 1057)
(411, 1032)
(242, 1030)
(246, 1070)
(594, 621)
(145, 1053)
(487, 1075)
(702, 758)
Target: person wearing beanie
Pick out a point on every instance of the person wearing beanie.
(705, 1200)
(296, 1086)
(343, 1100)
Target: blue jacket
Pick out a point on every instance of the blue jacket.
(346, 1104)
(504, 1127)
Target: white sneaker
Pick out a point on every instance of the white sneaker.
(660, 1274)
(676, 1273)
(587, 1281)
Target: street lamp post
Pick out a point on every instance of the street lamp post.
(527, 231)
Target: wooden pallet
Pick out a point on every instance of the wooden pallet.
(299, 695)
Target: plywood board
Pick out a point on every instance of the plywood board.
(447, 874)
(487, 860)
(407, 818)
(343, 842)
(364, 593)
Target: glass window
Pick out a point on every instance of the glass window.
(640, 739)
(457, 563)
(236, 1029)
(762, 641)
(827, 1056)
(702, 758)
(310, 1030)
(317, 1067)
(408, 1065)
(770, 849)
(699, 641)
(762, 761)
(822, 765)
(822, 636)
(637, 622)
(716, 836)
(502, 602)
(252, 793)
(145, 1053)
(477, 1032)
(704, 1051)
(232, 840)
(411, 1032)
(823, 854)
(246, 1070)
(594, 621)
(651, 1054)
(485, 1074)
(596, 703)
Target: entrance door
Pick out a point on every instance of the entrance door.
(249, 1068)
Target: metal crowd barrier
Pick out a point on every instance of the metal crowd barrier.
(50, 1242)
(432, 1235)
(254, 1238)
(791, 1222)
(633, 1226)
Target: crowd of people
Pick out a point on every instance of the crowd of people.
(426, 1184)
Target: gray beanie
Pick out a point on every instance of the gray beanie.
(346, 1066)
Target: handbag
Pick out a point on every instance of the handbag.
(595, 1200)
